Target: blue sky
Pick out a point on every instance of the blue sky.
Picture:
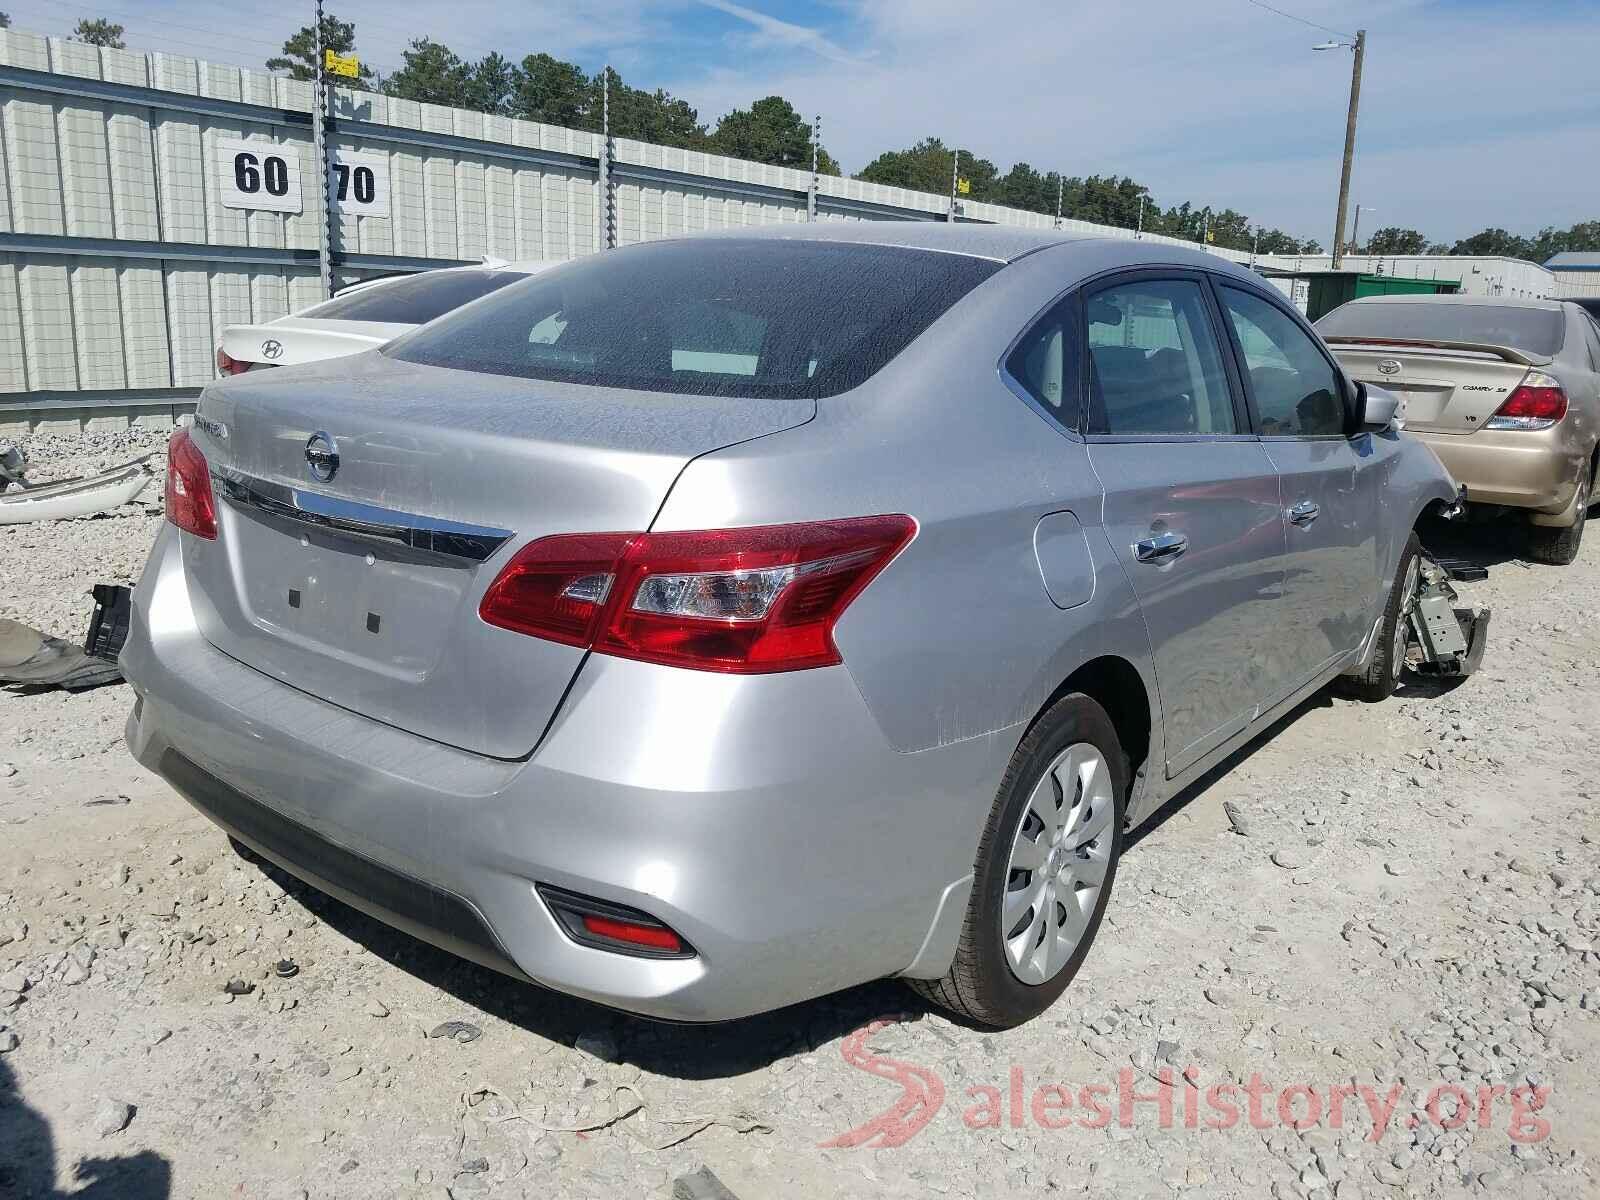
(1473, 113)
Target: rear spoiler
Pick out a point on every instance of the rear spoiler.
(1508, 354)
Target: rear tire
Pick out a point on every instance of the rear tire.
(1382, 676)
(1060, 806)
(1556, 546)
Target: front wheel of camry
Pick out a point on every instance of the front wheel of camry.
(1044, 870)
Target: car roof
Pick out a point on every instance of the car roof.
(1002, 243)
(1488, 301)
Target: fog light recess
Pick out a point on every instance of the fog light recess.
(602, 925)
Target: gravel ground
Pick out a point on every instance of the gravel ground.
(1402, 898)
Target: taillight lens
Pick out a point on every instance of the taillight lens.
(1538, 403)
(191, 505)
(230, 365)
(746, 601)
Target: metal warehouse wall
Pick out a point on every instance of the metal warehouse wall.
(1577, 283)
(120, 264)
(1479, 276)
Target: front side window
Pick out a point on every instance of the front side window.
(748, 317)
(1296, 390)
(1154, 362)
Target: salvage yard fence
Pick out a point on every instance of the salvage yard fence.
(149, 200)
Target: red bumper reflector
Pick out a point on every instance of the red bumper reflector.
(655, 937)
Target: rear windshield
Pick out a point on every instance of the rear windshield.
(715, 316)
(1532, 330)
(416, 299)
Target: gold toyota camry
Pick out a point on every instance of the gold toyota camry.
(1505, 392)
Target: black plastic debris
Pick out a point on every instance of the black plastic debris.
(238, 987)
(108, 628)
(286, 968)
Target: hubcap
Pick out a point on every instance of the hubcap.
(1058, 863)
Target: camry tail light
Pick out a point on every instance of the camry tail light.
(746, 601)
(191, 504)
(1538, 403)
(230, 365)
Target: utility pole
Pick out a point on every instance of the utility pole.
(320, 151)
(1355, 231)
(816, 151)
(1360, 49)
(1139, 231)
(1060, 183)
(955, 174)
(1255, 246)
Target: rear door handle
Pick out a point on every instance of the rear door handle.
(1160, 547)
(1304, 513)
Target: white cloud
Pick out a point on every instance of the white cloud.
(1224, 104)
(776, 33)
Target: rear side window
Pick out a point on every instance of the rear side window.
(1154, 364)
(416, 299)
(1294, 386)
(1045, 363)
(717, 316)
(1591, 330)
(1531, 330)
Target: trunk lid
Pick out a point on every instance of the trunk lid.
(308, 584)
(306, 339)
(1449, 388)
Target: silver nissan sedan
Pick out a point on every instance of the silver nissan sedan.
(717, 623)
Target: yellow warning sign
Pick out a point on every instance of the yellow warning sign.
(347, 65)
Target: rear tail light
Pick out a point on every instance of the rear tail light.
(616, 927)
(1538, 403)
(230, 365)
(744, 601)
(191, 505)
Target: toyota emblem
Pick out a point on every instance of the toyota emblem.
(1389, 366)
(322, 456)
(272, 348)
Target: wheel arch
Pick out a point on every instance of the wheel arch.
(1115, 684)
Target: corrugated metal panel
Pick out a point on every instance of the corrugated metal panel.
(101, 156)
(1578, 283)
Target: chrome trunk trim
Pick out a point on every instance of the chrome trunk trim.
(390, 527)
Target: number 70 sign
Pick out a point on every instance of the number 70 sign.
(266, 176)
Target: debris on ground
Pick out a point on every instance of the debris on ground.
(112, 1116)
(458, 1031)
(64, 499)
(701, 1184)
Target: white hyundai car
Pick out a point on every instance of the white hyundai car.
(364, 315)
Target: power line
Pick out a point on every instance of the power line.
(140, 18)
(1296, 17)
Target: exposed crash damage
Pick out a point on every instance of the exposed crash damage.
(30, 658)
(1444, 640)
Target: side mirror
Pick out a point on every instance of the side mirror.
(1376, 408)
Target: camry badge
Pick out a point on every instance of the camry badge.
(322, 456)
(1389, 366)
(272, 348)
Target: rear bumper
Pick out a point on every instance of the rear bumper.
(1536, 470)
(765, 818)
